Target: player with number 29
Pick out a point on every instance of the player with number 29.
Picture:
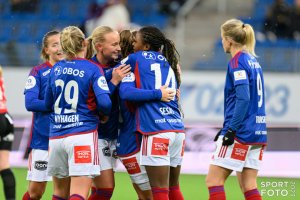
(76, 92)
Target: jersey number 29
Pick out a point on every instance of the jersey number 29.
(66, 92)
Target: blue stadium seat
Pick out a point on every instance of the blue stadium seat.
(145, 12)
(28, 54)
(3, 56)
(5, 31)
(279, 56)
(28, 29)
(4, 9)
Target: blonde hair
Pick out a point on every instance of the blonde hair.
(0, 71)
(240, 33)
(71, 39)
(97, 37)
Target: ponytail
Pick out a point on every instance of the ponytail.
(158, 42)
(90, 49)
(250, 39)
(172, 56)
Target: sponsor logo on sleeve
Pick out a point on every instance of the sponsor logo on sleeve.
(160, 146)
(82, 154)
(40, 165)
(240, 75)
(46, 72)
(239, 151)
(124, 60)
(102, 83)
(31, 82)
(132, 165)
(129, 78)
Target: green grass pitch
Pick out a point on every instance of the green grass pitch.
(193, 187)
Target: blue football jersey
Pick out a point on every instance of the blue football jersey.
(73, 88)
(109, 130)
(243, 68)
(150, 71)
(37, 82)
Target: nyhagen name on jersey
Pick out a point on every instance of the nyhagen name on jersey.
(66, 118)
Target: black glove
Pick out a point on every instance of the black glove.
(218, 134)
(228, 138)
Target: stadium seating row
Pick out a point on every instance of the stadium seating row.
(274, 56)
(21, 29)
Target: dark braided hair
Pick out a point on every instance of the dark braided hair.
(158, 42)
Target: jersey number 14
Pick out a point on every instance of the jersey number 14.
(158, 77)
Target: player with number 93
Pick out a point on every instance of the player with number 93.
(241, 141)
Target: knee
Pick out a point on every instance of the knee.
(248, 187)
(173, 182)
(145, 195)
(242, 187)
(209, 181)
(4, 166)
(213, 181)
(36, 195)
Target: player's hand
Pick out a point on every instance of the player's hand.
(228, 138)
(119, 73)
(217, 136)
(167, 93)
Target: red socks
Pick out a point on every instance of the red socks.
(252, 195)
(93, 192)
(26, 196)
(160, 193)
(175, 193)
(103, 194)
(217, 193)
(76, 197)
